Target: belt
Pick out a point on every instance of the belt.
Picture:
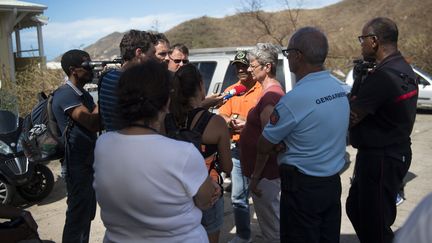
(291, 178)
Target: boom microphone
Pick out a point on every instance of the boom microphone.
(93, 64)
(237, 90)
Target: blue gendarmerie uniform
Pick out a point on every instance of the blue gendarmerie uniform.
(312, 122)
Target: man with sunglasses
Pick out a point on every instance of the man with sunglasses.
(383, 110)
(177, 57)
(78, 119)
(235, 111)
(135, 47)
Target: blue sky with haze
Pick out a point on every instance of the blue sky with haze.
(79, 23)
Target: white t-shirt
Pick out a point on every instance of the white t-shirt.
(417, 228)
(145, 186)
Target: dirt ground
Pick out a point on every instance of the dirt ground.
(50, 213)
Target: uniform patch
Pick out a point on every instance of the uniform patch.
(274, 117)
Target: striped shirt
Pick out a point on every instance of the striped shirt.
(108, 100)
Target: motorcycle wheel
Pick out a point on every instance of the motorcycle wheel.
(7, 192)
(39, 186)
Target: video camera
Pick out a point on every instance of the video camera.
(361, 68)
(360, 71)
(99, 67)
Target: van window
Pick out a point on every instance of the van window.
(207, 70)
(280, 76)
(230, 77)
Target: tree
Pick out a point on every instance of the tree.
(268, 26)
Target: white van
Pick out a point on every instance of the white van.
(218, 73)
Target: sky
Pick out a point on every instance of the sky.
(80, 23)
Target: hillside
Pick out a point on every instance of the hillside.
(342, 22)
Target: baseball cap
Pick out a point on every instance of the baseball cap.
(241, 58)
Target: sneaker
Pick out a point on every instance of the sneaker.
(399, 199)
(228, 188)
(237, 239)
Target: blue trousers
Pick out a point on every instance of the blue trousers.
(81, 200)
(240, 197)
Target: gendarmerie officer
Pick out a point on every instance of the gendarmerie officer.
(312, 122)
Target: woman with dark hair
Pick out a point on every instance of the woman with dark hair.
(147, 195)
(188, 93)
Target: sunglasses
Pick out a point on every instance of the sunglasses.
(285, 52)
(177, 61)
(363, 37)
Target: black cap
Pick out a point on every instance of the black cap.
(240, 57)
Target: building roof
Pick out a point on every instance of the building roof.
(7, 5)
(29, 14)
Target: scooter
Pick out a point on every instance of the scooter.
(33, 181)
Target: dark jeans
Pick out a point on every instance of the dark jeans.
(370, 204)
(81, 200)
(310, 207)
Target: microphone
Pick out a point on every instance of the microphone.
(237, 90)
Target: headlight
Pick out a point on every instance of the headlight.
(4, 148)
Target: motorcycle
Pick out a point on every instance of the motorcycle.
(33, 181)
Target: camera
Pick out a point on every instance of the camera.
(99, 67)
(361, 68)
(360, 71)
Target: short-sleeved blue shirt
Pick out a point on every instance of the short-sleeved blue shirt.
(312, 121)
(108, 101)
(65, 98)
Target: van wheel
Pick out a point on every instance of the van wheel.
(7, 192)
(40, 184)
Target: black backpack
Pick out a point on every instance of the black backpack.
(41, 138)
(194, 135)
(187, 134)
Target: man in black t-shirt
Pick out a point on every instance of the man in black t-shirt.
(383, 110)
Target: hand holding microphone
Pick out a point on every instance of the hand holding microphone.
(236, 91)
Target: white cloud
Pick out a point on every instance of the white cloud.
(95, 28)
(61, 36)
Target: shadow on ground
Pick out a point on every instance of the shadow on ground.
(424, 111)
(349, 238)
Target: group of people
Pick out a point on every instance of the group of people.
(285, 150)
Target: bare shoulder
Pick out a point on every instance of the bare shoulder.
(217, 121)
(215, 129)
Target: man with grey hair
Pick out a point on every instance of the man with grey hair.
(307, 129)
